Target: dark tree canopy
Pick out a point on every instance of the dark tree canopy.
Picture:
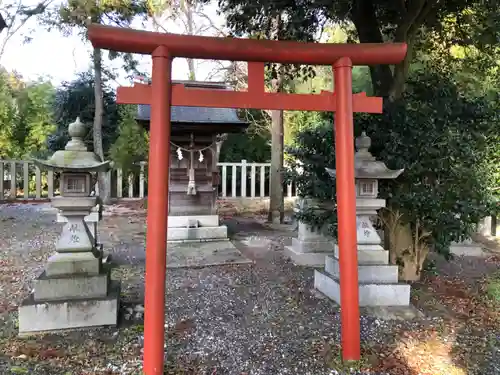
(374, 21)
(77, 99)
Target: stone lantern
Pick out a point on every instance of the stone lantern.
(367, 173)
(74, 290)
(378, 281)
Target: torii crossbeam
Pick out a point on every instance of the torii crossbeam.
(161, 95)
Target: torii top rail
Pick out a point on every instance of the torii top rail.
(161, 94)
(235, 49)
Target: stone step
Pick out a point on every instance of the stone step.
(63, 264)
(183, 221)
(366, 256)
(370, 294)
(298, 258)
(197, 234)
(367, 273)
(71, 286)
(313, 246)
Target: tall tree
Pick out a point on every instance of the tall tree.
(427, 120)
(192, 17)
(76, 15)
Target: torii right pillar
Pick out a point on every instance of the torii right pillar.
(346, 201)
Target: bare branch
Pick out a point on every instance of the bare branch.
(11, 18)
(211, 23)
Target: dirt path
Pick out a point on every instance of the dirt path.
(262, 318)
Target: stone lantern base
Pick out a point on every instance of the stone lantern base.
(378, 280)
(311, 246)
(65, 299)
(63, 305)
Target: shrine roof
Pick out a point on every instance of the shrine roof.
(197, 115)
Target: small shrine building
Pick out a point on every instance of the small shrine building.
(196, 139)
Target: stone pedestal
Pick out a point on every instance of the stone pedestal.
(75, 289)
(92, 221)
(489, 227)
(484, 226)
(378, 281)
(310, 248)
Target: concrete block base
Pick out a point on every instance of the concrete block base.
(305, 259)
(370, 294)
(197, 234)
(42, 316)
(367, 273)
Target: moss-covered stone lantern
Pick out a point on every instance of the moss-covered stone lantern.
(74, 289)
(76, 165)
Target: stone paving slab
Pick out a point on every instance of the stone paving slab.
(203, 254)
(393, 312)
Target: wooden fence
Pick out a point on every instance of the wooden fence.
(23, 180)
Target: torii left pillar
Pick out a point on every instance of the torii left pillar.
(156, 236)
(346, 200)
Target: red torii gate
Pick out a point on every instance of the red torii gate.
(161, 95)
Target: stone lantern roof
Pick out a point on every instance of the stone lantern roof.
(365, 165)
(75, 156)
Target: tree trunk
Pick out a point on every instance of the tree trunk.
(276, 199)
(104, 187)
(407, 248)
(387, 82)
(367, 27)
(190, 30)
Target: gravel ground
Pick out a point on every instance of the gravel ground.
(258, 319)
